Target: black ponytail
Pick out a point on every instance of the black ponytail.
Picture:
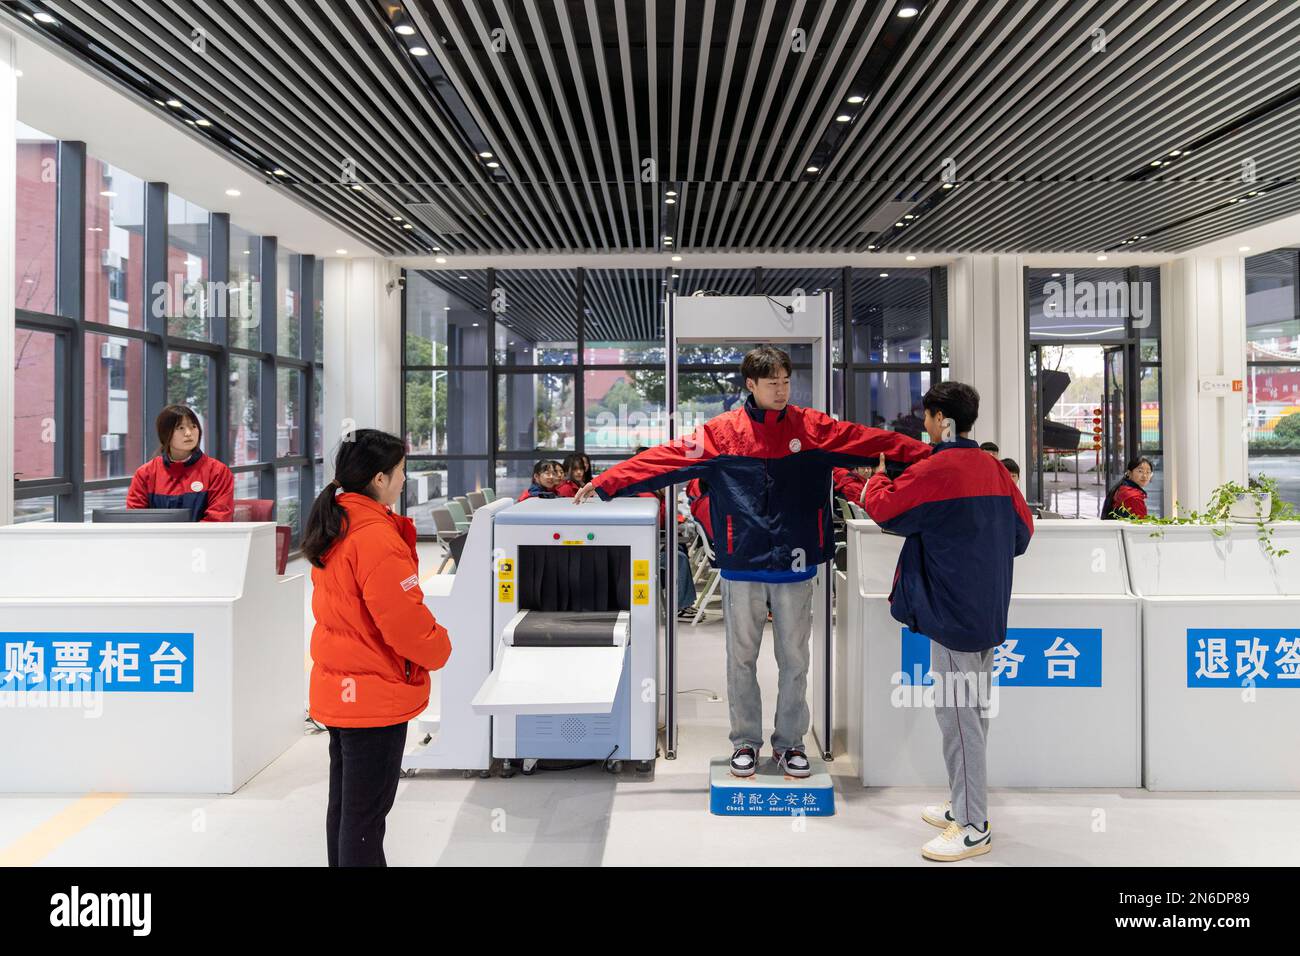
(367, 453)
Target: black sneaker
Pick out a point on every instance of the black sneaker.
(744, 762)
(794, 762)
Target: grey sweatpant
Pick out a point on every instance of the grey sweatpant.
(966, 678)
(744, 605)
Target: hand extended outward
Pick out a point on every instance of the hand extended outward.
(879, 469)
(585, 492)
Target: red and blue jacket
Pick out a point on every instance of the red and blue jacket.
(1128, 500)
(769, 483)
(536, 490)
(965, 522)
(200, 484)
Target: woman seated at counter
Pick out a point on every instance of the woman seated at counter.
(182, 476)
(1128, 499)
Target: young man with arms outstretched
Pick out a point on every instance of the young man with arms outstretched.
(767, 466)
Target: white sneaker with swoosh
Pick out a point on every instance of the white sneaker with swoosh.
(958, 843)
(938, 815)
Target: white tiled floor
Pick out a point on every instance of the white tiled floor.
(590, 817)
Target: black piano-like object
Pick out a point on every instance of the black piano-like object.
(1056, 436)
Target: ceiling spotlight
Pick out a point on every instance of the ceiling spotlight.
(1155, 162)
(407, 225)
(357, 186)
(462, 277)
(419, 51)
(1142, 237)
(871, 247)
(884, 275)
(174, 103)
(671, 192)
(676, 276)
(1175, 152)
(340, 252)
(404, 29)
(670, 202)
(811, 169)
(855, 99)
(911, 258)
(1101, 258)
(44, 17)
(278, 172)
(485, 155)
(203, 122)
(493, 165)
(440, 259)
(1243, 248)
(677, 258)
(191, 122)
(232, 192)
(948, 186)
(107, 192)
(1056, 275)
(397, 219)
(898, 224)
(1252, 193)
(908, 216)
(907, 12)
(843, 118)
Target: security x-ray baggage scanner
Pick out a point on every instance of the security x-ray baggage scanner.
(553, 621)
(750, 320)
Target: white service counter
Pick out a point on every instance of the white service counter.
(1221, 630)
(1067, 704)
(145, 658)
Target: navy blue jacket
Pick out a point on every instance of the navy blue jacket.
(769, 482)
(965, 522)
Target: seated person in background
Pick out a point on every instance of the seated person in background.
(547, 476)
(850, 483)
(577, 472)
(181, 476)
(1011, 466)
(990, 447)
(1128, 499)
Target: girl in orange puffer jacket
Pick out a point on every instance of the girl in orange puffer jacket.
(374, 641)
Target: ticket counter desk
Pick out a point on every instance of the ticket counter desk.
(1066, 697)
(1221, 629)
(145, 658)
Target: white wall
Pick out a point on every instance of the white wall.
(363, 350)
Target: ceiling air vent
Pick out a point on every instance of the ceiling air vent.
(884, 216)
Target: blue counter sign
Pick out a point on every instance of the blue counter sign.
(1234, 657)
(1029, 657)
(147, 662)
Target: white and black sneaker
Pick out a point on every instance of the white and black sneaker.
(794, 762)
(744, 762)
(938, 815)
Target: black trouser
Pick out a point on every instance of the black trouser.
(364, 763)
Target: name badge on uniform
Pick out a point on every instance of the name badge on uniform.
(795, 444)
(196, 486)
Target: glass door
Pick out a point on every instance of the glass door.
(1114, 413)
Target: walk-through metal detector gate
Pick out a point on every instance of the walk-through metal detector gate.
(752, 320)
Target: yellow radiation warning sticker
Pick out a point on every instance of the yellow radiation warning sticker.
(505, 591)
(506, 569)
(641, 570)
(640, 594)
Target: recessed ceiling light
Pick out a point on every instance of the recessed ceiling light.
(279, 172)
(676, 276)
(358, 186)
(407, 225)
(677, 258)
(340, 252)
(174, 103)
(1142, 237)
(160, 102)
(462, 277)
(1243, 248)
(1056, 275)
(44, 17)
(811, 169)
(908, 216)
(397, 219)
(843, 118)
(203, 122)
(947, 185)
(493, 164)
(440, 259)
(898, 224)
(906, 12)
(871, 247)
(1175, 152)
(191, 122)
(1101, 258)
(1231, 201)
(855, 99)
(107, 192)
(475, 324)
(419, 51)
(1155, 162)
(884, 275)
(670, 202)
(404, 29)
(911, 258)
(1250, 193)
(671, 192)
(232, 192)
(485, 155)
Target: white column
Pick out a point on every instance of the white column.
(363, 349)
(8, 208)
(987, 345)
(1204, 337)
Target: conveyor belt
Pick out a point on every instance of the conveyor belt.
(564, 629)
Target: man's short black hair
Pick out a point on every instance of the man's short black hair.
(956, 401)
(989, 446)
(1010, 465)
(764, 362)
